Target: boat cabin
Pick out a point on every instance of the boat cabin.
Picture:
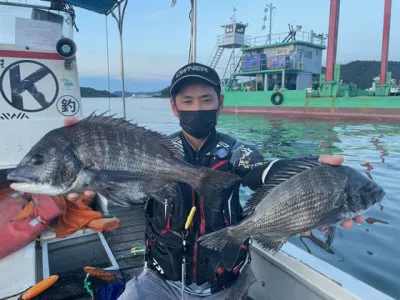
(234, 36)
(286, 63)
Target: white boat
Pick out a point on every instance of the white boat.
(29, 111)
(293, 273)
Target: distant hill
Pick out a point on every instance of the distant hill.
(135, 94)
(164, 93)
(362, 72)
(119, 94)
(87, 92)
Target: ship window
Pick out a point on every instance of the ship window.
(228, 29)
(240, 29)
(307, 54)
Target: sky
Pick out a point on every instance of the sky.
(156, 36)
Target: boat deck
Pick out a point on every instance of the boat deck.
(130, 234)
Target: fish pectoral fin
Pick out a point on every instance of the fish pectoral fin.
(111, 176)
(330, 235)
(270, 243)
(118, 194)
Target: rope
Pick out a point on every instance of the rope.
(108, 71)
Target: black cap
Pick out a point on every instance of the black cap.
(195, 71)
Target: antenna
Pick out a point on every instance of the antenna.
(268, 8)
(233, 18)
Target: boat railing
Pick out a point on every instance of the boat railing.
(278, 38)
(239, 41)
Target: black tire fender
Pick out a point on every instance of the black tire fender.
(277, 95)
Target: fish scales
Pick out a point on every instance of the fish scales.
(123, 162)
(318, 195)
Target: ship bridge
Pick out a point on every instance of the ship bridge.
(289, 60)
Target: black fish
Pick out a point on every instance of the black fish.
(120, 160)
(300, 197)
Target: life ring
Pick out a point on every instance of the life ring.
(273, 98)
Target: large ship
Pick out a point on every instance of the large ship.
(281, 74)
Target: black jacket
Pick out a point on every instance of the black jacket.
(165, 223)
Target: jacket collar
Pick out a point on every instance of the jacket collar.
(207, 146)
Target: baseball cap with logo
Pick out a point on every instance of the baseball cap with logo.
(195, 71)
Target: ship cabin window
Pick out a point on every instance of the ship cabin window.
(229, 29)
(240, 28)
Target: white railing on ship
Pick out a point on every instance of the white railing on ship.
(303, 36)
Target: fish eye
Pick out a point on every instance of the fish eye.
(37, 159)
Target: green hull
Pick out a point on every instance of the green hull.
(296, 103)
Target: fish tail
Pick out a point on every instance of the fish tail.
(224, 242)
(212, 184)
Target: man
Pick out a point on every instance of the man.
(172, 249)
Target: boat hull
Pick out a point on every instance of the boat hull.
(297, 104)
(293, 273)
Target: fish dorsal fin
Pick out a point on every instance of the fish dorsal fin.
(286, 169)
(140, 132)
(280, 172)
(257, 197)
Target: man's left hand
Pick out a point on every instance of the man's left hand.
(338, 160)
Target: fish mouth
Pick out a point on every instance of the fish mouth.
(20, 178)
(22, 183)
(31, 184)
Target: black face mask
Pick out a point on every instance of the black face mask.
(198, 123)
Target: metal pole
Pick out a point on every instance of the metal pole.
(122, 61)
(332, 39)
(270, 22)
(193, 31)
(385, 41)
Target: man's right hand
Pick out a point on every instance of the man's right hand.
(88, 193)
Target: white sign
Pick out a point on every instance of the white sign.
(282, 50)
(37, 34)
(36, 94)
(29, 86)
